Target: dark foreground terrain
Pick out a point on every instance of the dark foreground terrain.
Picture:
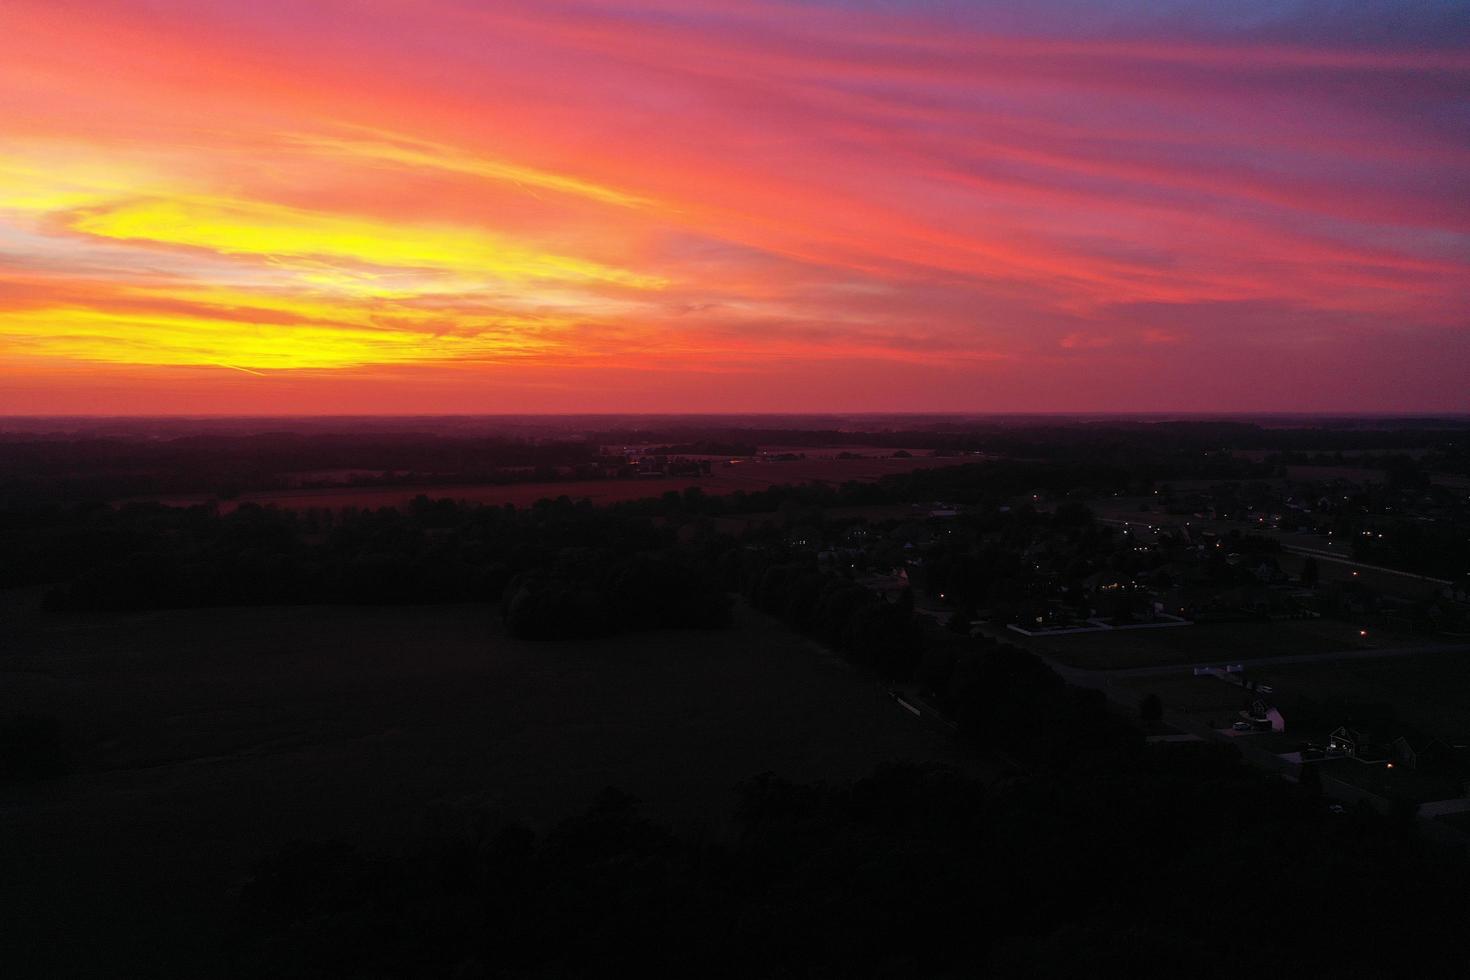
(251, 741)
(207, 739)
(408, 792)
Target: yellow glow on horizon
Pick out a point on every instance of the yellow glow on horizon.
(280, 288)
(233, 227)
(164, 339)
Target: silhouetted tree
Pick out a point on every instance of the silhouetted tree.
(1310, 572)
(33, 747)
(1151, 709)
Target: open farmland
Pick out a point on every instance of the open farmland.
(206, 738)
(749, 475)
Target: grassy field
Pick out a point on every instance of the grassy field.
(747, 475)
(1203, 699)
(207, 738)
(1214, 643)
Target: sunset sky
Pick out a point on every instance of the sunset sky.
(421, 206)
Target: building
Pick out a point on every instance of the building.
(1357, 743)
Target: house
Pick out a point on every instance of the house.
(1357, 743)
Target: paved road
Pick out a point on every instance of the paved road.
(1086, 677)
(1301, 544)
(1339, 559)
(1371, 653)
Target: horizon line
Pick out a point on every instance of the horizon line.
(1459, 413)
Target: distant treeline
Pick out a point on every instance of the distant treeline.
(707, 447)
(36, 468)
(1397, 468)
(149, 555)
(90, 466)
(991, 483)
(1074, 438)
(562, 555)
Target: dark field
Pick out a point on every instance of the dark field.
(207, 738)
(1428, 690)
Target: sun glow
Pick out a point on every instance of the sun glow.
(264, 286)
(139, 338)
(232, 227)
